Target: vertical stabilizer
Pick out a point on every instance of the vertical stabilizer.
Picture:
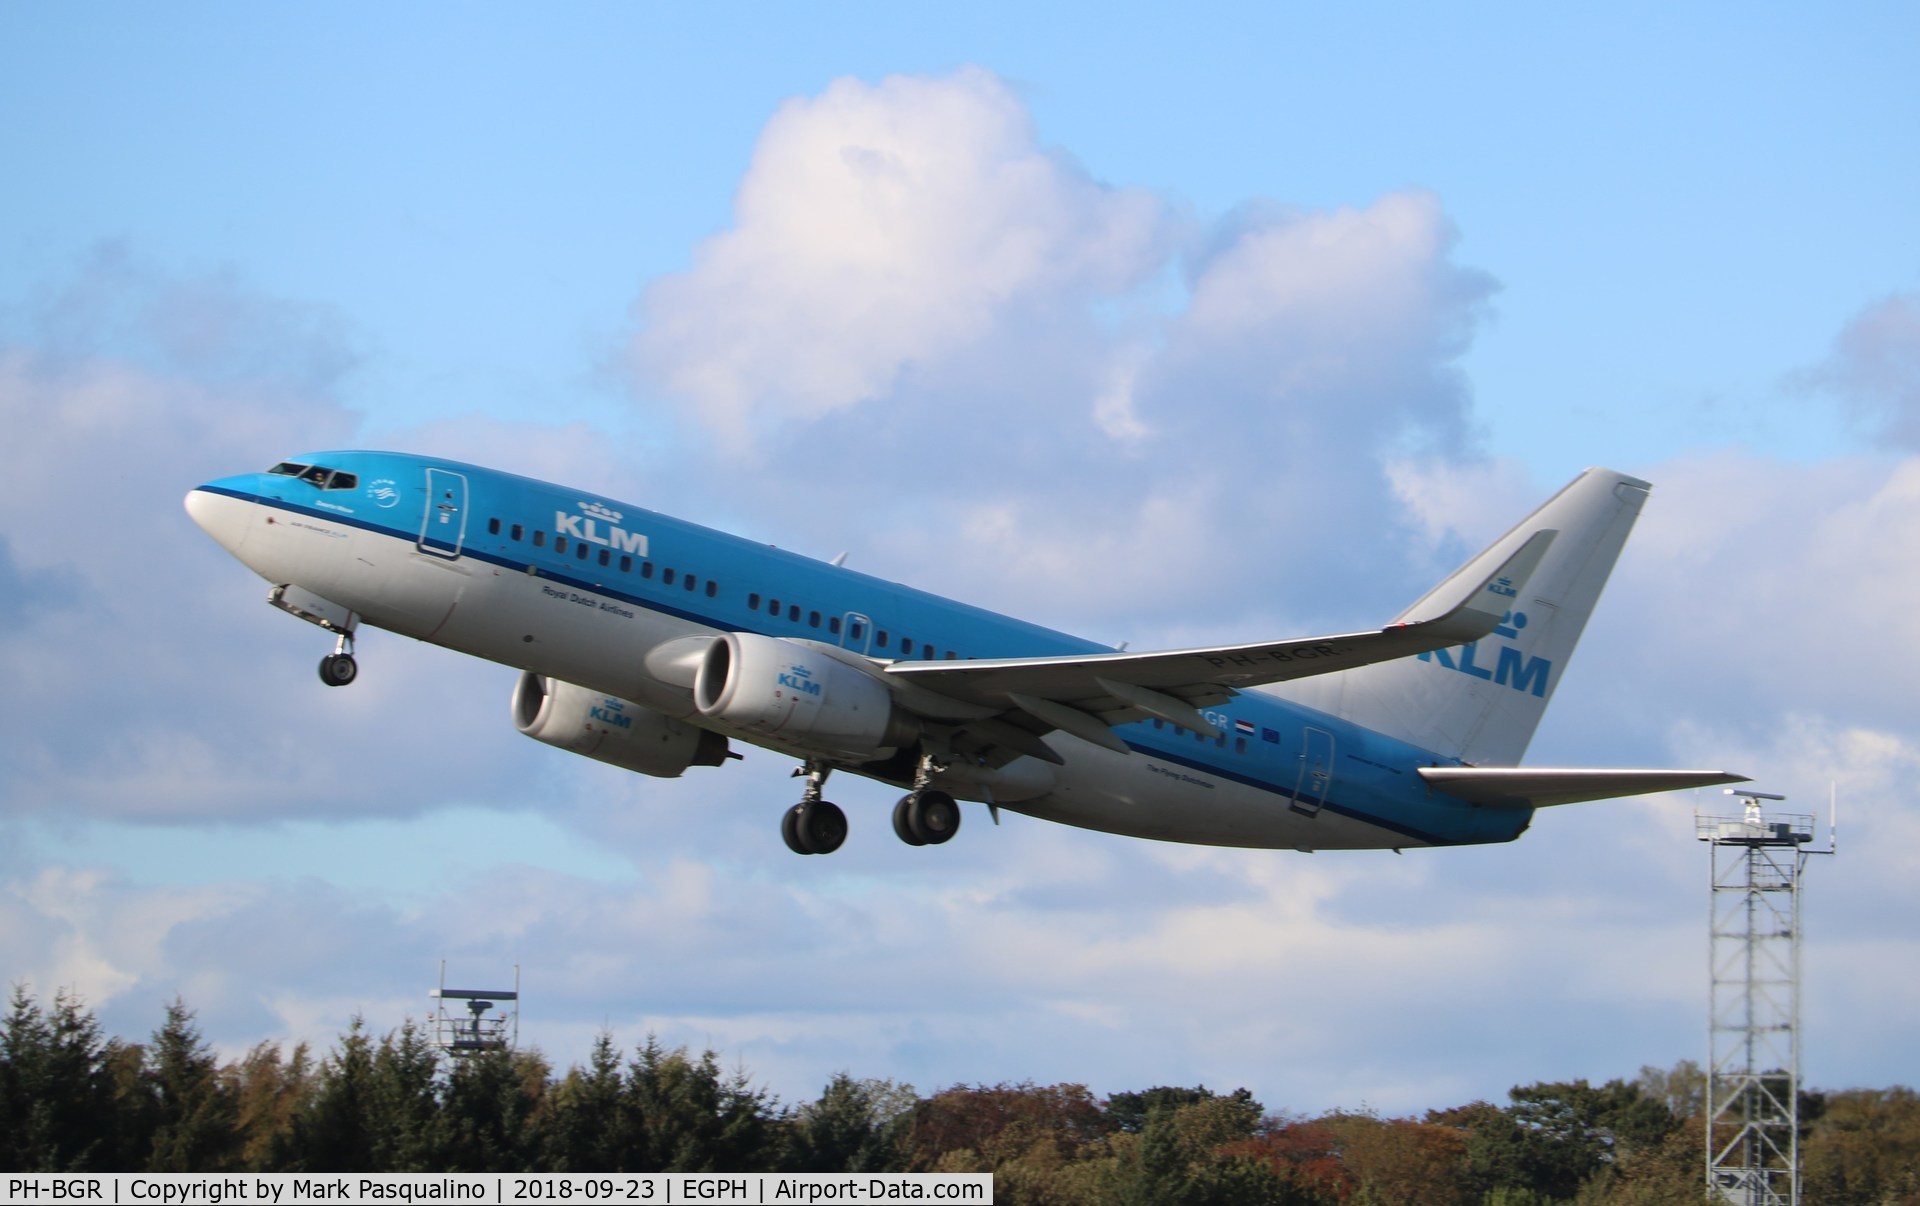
(1481, 702)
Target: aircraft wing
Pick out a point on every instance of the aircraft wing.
(1538, 787)
(1085, 694)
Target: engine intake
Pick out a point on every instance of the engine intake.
(799, 694)
(610, 729)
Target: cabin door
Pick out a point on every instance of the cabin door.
(443, 528)
(856, 632)
(1316, 771)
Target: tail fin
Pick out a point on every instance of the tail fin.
(1481, 702)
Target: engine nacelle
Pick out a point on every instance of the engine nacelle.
(800, 695)
(611, 730)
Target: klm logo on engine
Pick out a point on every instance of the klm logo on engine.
(599, 524)
(1511, 668)
(612, 712)
(799, 678)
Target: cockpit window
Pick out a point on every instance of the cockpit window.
(317, 475)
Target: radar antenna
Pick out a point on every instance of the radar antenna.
(481, 1019)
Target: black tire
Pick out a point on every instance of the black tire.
(935, 817)
(790, 830)
(903, 822)
(338, 669)
(821, 827)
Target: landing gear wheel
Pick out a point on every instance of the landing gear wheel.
(926, 818)
(937, 817)
(903, 822)
(816, 828)
(338, 669)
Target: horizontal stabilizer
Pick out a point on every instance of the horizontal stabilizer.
(1538, 787)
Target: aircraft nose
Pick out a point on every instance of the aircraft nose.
(219, 516)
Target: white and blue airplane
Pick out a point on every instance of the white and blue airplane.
(651, 643)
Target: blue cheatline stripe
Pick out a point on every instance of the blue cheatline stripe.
(1276, 789)
(470, 551)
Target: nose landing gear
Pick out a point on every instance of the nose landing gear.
(338, 668)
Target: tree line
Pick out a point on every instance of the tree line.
(74, 1100)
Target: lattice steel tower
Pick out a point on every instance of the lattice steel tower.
(1753, 1022)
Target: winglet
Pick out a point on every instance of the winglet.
(1481, 611)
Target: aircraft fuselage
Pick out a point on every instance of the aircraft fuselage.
(617, 599)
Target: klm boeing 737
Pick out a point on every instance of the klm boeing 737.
(653, 644)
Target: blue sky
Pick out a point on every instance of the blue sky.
(1235, 323)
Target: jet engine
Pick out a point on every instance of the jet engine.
(799, 694)
(610, 729)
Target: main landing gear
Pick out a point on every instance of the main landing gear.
(814, 826)
(923, 817)
(338, 668)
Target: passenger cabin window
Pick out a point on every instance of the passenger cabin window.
(646, 569)
(833, 625)
(813, 619)
(793, 612)
(713, 589)
(606, 558)
(560, 544)
(626, 564)
(753, 601)
(666, 576)
(693, 580)
(581, 550)
(516, 531)
(493, 527)
(880, 638)
(539, 538)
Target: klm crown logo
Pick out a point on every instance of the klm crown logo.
(799, 678)
(611, 712)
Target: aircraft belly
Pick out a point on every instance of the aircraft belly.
(1138, 795)
(476, 607)
(396, 587)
